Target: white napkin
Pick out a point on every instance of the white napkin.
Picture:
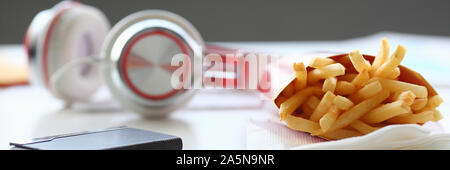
(268, 133)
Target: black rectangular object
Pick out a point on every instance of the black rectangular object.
(122, 138)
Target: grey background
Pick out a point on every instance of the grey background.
(260, 20)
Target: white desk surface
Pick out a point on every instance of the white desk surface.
(214, 119)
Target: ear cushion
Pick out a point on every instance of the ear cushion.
(77, 32)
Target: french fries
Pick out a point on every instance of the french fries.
(340, 103)
(359, 62)
(348, 96)
(366, 92)
(329, 118)
(435, 101)
(309, 106)
(399, 86)
(407, 97)
(313, 101)
(343, 103)
(381, 57)
(419, 104)
(320, 62)
(437, 115)
(300, 73)
(385, 112)
(306, 111)
(361, 78)
(289, 106)
(323, 106)
(422, 117)
(362, 127)
(301, 124)
(359, 110)
(393, 62)
(344, 88)
(328, 71)
(394, 73)
(347, 77)
(329, 84)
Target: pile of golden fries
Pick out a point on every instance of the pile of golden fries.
(353, 95)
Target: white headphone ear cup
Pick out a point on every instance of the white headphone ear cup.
(33, 43)
(79, 32)
(112, 73)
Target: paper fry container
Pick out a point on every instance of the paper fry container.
(406, 75)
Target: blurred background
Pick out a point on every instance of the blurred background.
(261, 20)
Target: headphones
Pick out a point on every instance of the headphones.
(72, 51)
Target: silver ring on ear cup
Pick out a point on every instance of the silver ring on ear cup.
(151, 37)
(63, 33)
